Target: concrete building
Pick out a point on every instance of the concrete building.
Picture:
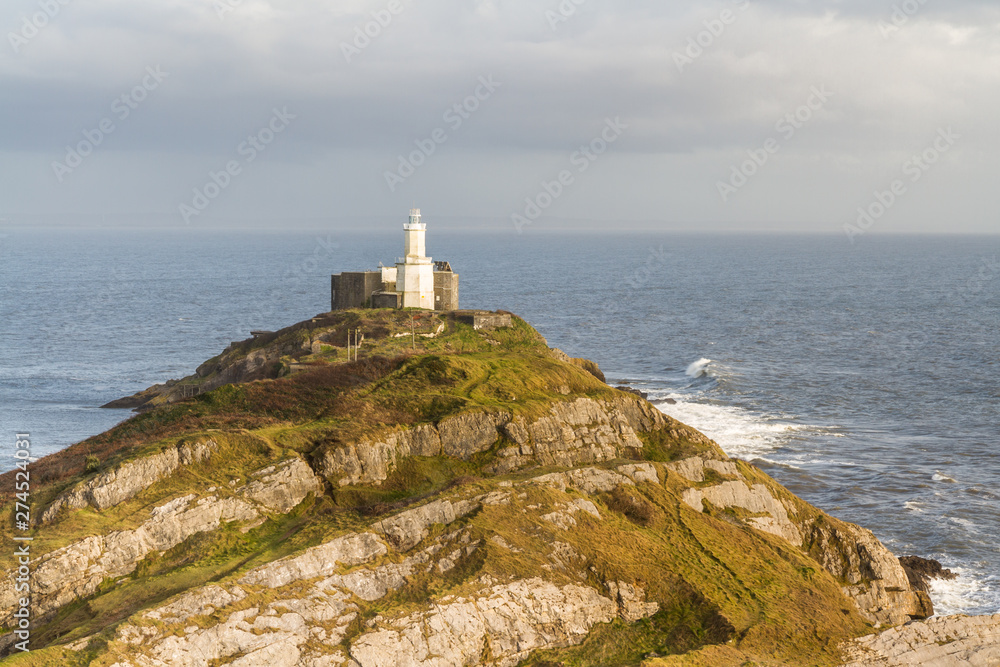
(416, 281)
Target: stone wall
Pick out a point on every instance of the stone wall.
(445, 290)
(483, 319)
(387, 299)
(354, 289)
(366, 289)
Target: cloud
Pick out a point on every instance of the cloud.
(688, 121)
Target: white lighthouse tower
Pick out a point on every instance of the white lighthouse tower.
(415, 272)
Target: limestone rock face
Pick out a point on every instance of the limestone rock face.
(756, 499)
(202, 602)
(947, 641)
(371, 461)
(298, 610)
(281, 487)
(77, 570)
(600, 480)
(319, 561)
(876, 580)
(470, 433)
(575, 432)
(301, 610)
(409, 528)
(127, 480)
(510, 621)
(563, 515)
(631, 601)
(269, 636)
(693, 469)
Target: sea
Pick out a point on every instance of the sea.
(863, 376)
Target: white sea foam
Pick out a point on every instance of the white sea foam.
(957, 596)
(698, 369)
(938, 477)
(913, 505)
(739, 432)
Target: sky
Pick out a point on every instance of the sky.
(856, 117)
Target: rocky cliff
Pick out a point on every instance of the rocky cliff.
(482, 500)
(951, 641)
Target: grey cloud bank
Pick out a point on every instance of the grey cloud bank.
(369, 81)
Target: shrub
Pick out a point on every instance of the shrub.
(637, 509)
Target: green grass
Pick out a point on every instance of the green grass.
(715, 582)
(682, 628)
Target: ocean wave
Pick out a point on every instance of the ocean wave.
(938, 477)
(783, 463)
(965, 594)
(698, 369)
(966, 524)
(739, 432)
(982, 493)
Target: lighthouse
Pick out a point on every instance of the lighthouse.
(415, 271)
(416, 281)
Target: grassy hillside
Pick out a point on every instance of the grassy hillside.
(726, 594)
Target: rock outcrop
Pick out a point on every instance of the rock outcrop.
(281, 487)
(301, 607)
(947, 641)
(874, 578)
(631, 601)
(507, 622)
(693, 468)
(125, 481)
(756, 499)
(483, 503)
(585, 364)
(240, 362)
(78, 570)
(600, 480)
(318, 561)
(407, 529)
(921, 571)
(504, 621)
(579, 431)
